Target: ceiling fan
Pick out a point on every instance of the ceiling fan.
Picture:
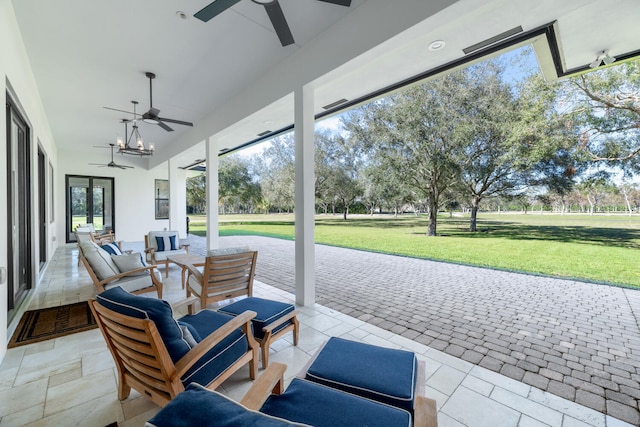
(151, 116)
(273, 9)
(111, 164)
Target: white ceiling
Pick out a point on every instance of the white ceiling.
(233, 79)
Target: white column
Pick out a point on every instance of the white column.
(213, 239)
(304, 197)
(177, 198)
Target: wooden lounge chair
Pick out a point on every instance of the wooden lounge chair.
(130, 274)
(228, 273)
(158, 245)
(159, 356)
(268, 403)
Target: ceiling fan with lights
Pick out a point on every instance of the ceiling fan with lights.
(273, 9)
(151, 116)
(111, 164)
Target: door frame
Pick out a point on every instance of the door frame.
(68, 213)
(23, 180)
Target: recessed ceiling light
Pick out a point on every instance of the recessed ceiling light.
(180, 14)
(437, 45)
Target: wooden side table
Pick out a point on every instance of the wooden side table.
(183, 260)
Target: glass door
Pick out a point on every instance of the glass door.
(90, 200)
(20, 272)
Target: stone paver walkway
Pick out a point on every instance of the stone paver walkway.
(577, 340)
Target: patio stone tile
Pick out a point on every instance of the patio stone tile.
(526, 421)
(624, 412)
(501, 381)
(614, 422)
(476, 384)
(446, 379)
(474, 410)
(526, 406)
(572, 422)
(446, 421)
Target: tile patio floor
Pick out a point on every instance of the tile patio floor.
(71, 380)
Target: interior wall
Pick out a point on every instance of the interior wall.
(133, 188)
(18, 79)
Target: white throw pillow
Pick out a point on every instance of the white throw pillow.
(129, 262)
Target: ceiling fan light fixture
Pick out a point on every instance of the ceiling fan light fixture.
(125, 147)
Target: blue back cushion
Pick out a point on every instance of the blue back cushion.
(320, 406)
(378, 373)
(197, 406)
(159, 311)
(166, 243)
(221, 356)
(267, 311)
(112, 248)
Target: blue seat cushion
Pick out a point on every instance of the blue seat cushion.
(267, 312)
(159, 311)
(378, 373)
(222, 355)
(198, 406)
(320, 406)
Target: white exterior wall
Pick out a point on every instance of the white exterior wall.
(15, 71)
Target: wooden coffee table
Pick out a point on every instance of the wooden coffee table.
(183, 260)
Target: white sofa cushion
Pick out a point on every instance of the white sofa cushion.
(162, 256)
(134, 283)
(99, 260)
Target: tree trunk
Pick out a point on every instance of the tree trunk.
(473, 222)
(433, 217)
(346, 211)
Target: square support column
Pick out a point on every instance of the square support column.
(213, 238)
(177, 198)
(304, 197)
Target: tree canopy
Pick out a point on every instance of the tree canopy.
(472, 137)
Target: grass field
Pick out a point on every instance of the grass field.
(595, 248)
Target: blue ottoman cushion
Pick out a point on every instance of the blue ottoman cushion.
(221, 356)
(198, 406)
(268, 311)
(157, 310)
(320, 406)
(378, 373)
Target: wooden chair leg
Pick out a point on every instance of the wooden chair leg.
(264, 346)
(123, 390)
(296, 330)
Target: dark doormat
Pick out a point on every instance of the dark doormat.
(53, 322)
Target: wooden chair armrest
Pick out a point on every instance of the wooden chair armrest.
(149, 250)
(270, 327)
(193, 270)
(125, 274)
(425, 413)
(196, 353)
(271, 381)
(185, 246)
(183, 303)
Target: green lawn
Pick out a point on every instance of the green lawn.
(595, 248)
